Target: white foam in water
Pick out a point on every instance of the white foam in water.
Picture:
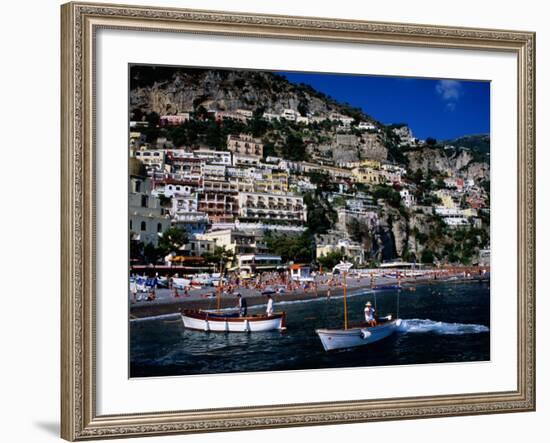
(416, 325)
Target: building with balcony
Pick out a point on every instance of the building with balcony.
(283, 207)
(237, 241)
(214, 157)
(153, 159)
(185, 168)
(245, 144)
(191, 222)
(233, 185)
(373, 176)
(258, 262)
(219, 206)
(246, 160)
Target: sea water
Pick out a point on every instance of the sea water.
(442, 323)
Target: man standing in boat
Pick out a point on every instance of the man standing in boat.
(243, 306)
(369, 314)
(269, 309)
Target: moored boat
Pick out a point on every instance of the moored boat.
(216, 321)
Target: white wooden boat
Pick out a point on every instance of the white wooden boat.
(212, 321)
(349, 337)
(333, 339)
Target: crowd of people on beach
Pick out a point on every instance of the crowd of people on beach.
(267, 283)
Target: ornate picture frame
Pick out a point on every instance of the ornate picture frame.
(80, 22)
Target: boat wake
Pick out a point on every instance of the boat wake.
(417, 325)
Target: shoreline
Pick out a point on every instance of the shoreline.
(167, 304)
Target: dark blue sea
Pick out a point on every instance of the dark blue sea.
(442, 323)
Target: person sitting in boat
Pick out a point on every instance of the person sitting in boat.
(269, 309)
(242, 305)
(369, 314)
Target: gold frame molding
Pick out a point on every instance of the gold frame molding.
(79, 21)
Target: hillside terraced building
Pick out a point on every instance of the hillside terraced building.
(245, 144)
(283, 207)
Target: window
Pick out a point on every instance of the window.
(144, 201)
(130, 224)
(143, 226)
(159, 227)
(138, 186)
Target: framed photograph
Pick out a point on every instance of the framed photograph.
(277, 221)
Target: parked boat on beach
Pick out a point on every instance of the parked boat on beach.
(215, 321)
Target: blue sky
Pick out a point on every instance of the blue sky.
(443, 109)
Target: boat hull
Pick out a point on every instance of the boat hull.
(333, 339)
(202, 321)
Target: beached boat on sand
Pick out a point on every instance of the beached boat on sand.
(214, 321)
(358, 336)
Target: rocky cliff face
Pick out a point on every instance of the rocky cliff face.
(450, 161)
(186, 90)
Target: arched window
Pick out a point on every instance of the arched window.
(143, 226)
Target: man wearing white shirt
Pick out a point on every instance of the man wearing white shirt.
(369, 314)
(269, 309)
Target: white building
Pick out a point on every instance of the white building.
(153, 159)
(290, 114)
(245, 112)
(213, 171)
(147, 219)
(271, 117)
(343, 119)
(408, 198)
(366, 126)
(214, 157)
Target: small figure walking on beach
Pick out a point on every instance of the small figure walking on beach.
(328, 292)
(269, 309)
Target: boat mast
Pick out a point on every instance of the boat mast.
(219, 300)
(345, 304)
(219, 294)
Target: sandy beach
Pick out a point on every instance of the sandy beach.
(166, 301)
